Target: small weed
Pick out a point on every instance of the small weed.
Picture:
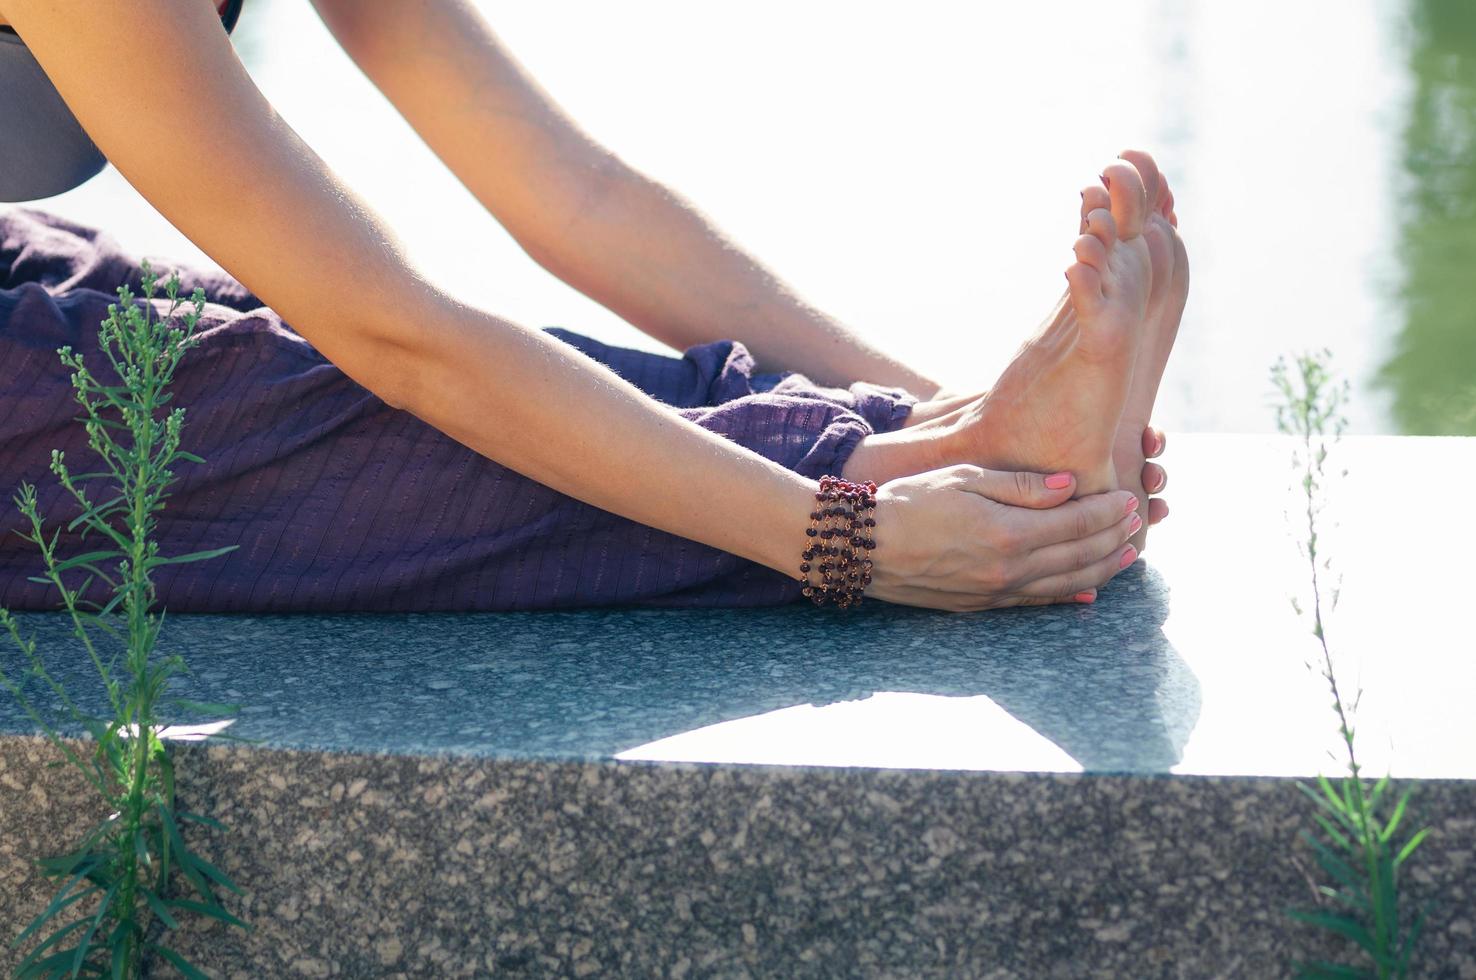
(133, 870)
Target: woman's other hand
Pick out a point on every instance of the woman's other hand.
(965, 538)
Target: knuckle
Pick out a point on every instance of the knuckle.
(995, 576)
(1007, 539)
(1024, 485)
(1082, 523)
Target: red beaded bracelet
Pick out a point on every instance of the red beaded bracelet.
(841, 538)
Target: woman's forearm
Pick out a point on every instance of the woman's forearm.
(542, 408)
(645, 252)
(626, 241)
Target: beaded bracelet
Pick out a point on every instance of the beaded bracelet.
(841, 537)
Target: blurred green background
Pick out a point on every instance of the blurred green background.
(1431, 370)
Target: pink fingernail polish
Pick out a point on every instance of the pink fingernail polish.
(1136, 525)
(1132, 506)
(1088, 596)
(1058, 481)
(1128, 557)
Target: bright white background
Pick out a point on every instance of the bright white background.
(914, 169)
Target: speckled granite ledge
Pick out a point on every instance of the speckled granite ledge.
(1057, 792)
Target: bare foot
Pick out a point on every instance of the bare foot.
(1058, 404)
(1136, 442)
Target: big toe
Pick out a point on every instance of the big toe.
(1129, 199)
(1154, 186)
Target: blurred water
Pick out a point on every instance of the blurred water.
(914, 170)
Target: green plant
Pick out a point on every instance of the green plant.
(127, 870)
(1357, 844)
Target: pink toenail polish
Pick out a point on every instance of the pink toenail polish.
(1058, 481)
(1128, 557)
(1132, 506)
(1136, 525)
(1105, 182)
(1087, 596)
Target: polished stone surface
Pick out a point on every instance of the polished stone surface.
(889, 793)
(1193, 661)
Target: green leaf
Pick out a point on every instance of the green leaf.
(188, 870)
(33, 957)
(219, 876)
(160, 909)
(1324, 970)
(1333, 834)
(1343, 925)
(57, 904)
(1394, 817)
(85, 946)
(180, 963)
(214, 910)
(197, 818)
(119, 961)
(193, 556)
(1341, 871)
(90, 558)
(204, 707)
(1332, 804)
(95, 512)
(1410, 845)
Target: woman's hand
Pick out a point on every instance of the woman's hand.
(965, 538)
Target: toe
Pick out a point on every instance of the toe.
(1153, 186)
(1154, 477)
(1085, 287)
(1129, 201)
(1094, 198)
(1091, 251)
(1154, 442)
(1158, 509)
(1102, 225)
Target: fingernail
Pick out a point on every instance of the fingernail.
(1135, 525)
(1128, 557)
(1090, 595)
(1058, 481)
(1132, 506)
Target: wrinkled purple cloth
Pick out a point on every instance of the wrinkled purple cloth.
(337, 501)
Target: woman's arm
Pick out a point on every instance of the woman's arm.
(158, 87)
(620, 238)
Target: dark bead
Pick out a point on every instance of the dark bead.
(827, 534)
(815, 515)
(811, 531)
(870, 522)
(857, 541)
(805, 567)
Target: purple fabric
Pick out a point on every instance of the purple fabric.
(339, 502)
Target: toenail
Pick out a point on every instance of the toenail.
(1132, 506)
(1136, 525)
(1128, 557)
(1105, 182)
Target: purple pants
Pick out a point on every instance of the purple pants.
(337, 501)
